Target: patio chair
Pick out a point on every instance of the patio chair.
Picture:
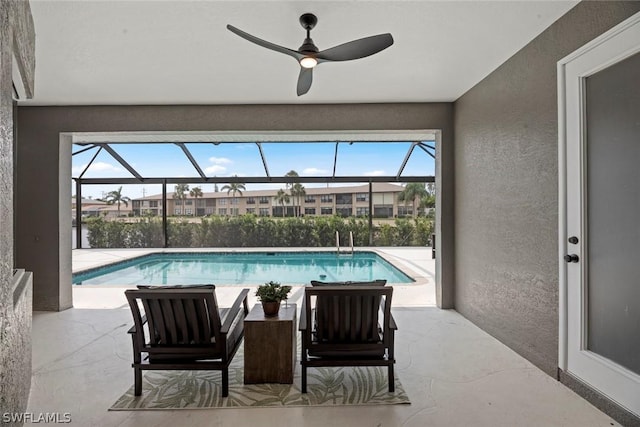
(182, 328)
(347, 325)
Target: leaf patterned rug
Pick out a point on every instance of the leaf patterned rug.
(202, 389)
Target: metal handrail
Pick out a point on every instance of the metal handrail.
(351, 241)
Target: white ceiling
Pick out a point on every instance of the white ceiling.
(180, 52)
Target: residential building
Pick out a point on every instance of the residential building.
(343, 201)
(98, 208)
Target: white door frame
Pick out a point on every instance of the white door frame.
(619, 43)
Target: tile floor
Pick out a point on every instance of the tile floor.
(454, 373)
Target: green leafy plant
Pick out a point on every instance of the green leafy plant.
(272, 292)
(253, 231)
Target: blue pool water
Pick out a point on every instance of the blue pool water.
(290, 268)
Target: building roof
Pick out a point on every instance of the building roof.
(378, 187)
(86, 202)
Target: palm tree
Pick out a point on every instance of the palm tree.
(234, 188)
(117, 197)
(292, 174)
(298, 192)
(292, 186)
(282, 197)
(179, 193)
(412, 192)
(195, 193)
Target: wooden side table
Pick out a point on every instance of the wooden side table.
(270, 346)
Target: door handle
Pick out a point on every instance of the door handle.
(571, 258)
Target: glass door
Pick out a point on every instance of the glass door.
(600, 214)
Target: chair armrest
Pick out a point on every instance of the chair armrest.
(303, 316)
(392, 322)
(233, 311)
(133, 328)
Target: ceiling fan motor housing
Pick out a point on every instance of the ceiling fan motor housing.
(308, 47)
(308, 21)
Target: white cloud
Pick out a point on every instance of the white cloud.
(314, 171)
(96, 167)
(220, 160)
(374, 173)
(215, 169)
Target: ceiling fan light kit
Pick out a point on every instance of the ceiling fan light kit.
(308, 55)
(308, 62)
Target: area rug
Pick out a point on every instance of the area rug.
(202, 389)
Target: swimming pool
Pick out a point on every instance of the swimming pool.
(290, 268)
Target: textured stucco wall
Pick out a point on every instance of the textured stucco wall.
(17, 38)
(39, 145)
(506, 188)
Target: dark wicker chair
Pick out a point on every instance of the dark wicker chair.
(185, 330)
(347, 325)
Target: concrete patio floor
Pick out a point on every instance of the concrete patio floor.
(454, 373)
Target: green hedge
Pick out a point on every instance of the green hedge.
(253, 231)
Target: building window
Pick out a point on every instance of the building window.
(211, 202)
(362, 197)
(383, 211)
(234, 201)
(264, 211)
(405, 210)
(343, 211)
(309, 211)
(326, 211)
(188, 211)
(327, 198)
(309, 199)
(222, 201)
(188, 202)
(153, 204)
(235, 211)
(362, 211)
(263, 200)
(251, 210)
(251, 200)
(177, 211)
(208, 210)
(344, 199)
(222, 211)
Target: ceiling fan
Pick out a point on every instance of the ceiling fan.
(308, 55)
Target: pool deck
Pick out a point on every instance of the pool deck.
(414, 261)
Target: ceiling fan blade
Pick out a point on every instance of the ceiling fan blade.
(356, 49)
(304, 80)
(253, 39)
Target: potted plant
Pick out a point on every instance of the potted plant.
(270, 294)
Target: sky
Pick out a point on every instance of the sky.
(243, 159)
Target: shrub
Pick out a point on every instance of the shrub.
(253, 231)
